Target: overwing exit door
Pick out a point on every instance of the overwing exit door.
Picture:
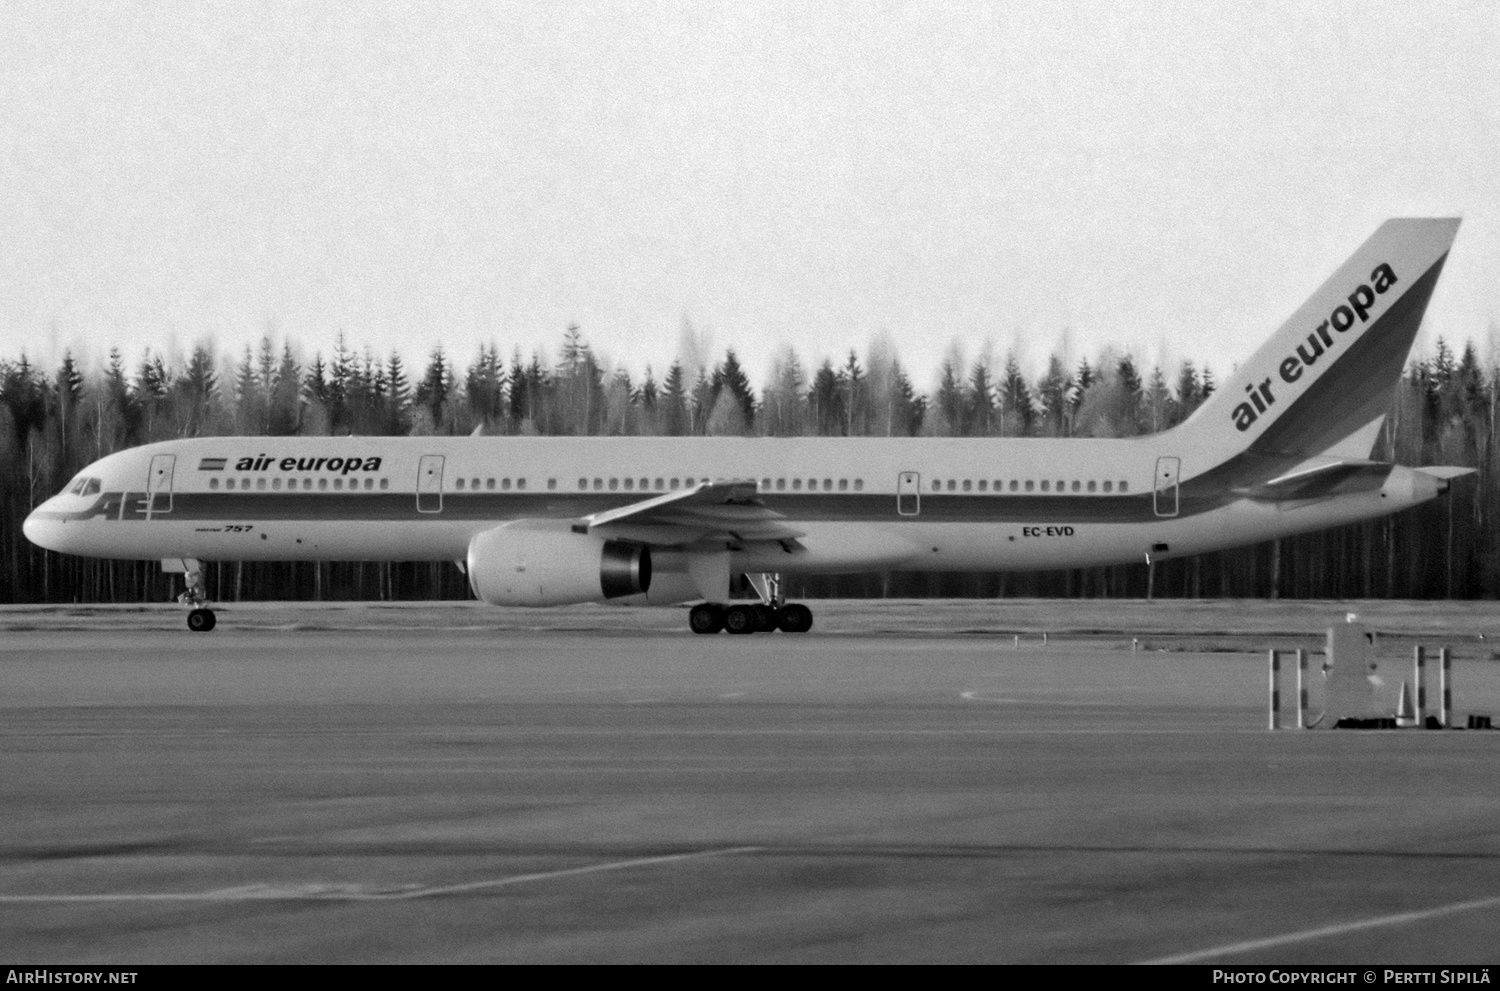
(430, 484)
(909, 493)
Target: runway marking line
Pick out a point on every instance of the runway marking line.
(1338, 929)
(353, 893)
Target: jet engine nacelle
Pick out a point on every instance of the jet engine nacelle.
(540, 564)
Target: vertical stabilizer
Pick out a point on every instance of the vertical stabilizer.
(1326, 375)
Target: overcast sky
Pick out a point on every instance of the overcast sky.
(1171, 179)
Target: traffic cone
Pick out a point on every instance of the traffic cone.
(1405, 714)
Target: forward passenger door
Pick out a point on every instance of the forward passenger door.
(159, 484)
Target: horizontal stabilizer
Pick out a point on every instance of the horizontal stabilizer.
(1316, 481)
(1446, 472)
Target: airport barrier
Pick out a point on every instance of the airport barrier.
(1347, 646)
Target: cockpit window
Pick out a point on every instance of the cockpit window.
(91, 487)
(84, 486)
(77, 487)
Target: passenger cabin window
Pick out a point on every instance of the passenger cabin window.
(213, 483)
(385, 483)
(551, 484)
(796, 485)
(1124, 486)
(459, 484)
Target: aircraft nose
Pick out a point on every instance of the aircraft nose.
(41, 530)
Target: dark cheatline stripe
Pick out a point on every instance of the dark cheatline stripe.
(842, 507)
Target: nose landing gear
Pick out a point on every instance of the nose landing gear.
(200, 618)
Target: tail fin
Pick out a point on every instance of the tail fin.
(1326, 375)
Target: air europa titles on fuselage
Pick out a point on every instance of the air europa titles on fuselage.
(342, 466)
(1320, 340)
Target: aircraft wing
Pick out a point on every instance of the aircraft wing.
(728, 510)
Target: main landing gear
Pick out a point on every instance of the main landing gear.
(200, 618)
(771, 613)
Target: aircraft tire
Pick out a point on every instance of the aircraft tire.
(706, 618)
(201, 620)
(767, 619)
(741, 619)
(796, 618)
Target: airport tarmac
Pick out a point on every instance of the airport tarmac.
(456, 784)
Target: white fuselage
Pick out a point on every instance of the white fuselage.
(860, 503)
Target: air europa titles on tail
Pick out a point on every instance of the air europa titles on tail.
(1342, 318)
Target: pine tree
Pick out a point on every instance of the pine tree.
(1128, 418)
(676, 421)
(979, 414)
(1158, 402)
(1189, 392)
(856, 397)
(825, 402)
(432, 391)
(1053, 392)
(1019, 412)
(284, 417)
(950, 400)
(398, 396)
(731, 377)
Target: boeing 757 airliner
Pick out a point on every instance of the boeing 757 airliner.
(1283, 448)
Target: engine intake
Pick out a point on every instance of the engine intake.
(544, 565)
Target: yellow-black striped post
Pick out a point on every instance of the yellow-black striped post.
(1275, 689)
(1445, 685)
(1419, 678)
(1301, 688)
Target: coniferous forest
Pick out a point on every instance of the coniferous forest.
(54, 421)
